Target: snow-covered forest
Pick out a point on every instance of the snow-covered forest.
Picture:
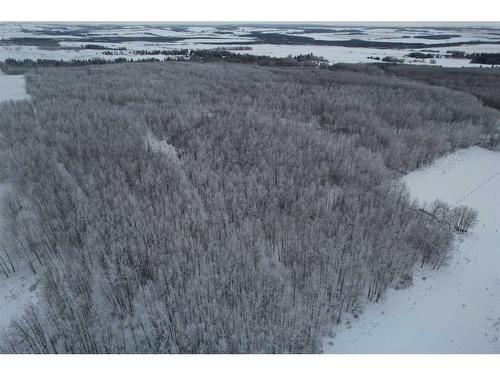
(205, 208)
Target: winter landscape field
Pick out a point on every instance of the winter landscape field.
(450, 45)
(249, 188)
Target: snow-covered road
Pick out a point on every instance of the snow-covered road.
(455, 309)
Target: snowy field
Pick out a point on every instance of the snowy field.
(72, 39)
(17, 290)
(455, 309)
(334, 54)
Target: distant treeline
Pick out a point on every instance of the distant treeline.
(422, 55)
(13, 66)
(477, 58)
(143, 52)
(437, 36)
(182, 52)
(89, 38)
(27, 41)
(101, 47)
(482, 83)
(222, 54)
(485, 58)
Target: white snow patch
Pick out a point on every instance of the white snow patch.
(161, 146)
(455, 309)
(16, 292)
(12, 87)
(18, 289)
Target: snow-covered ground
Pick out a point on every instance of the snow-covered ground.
(12, 87)
(455, 309)
(18, 289)
(16, 293)
(337, 54)
(334, 54)
(72, 37)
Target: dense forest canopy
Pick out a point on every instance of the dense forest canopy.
(203, 208)
(484, 83)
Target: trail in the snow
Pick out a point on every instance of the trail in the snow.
(455, 309)
(477, 188)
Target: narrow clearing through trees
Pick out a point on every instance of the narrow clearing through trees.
(455, 309)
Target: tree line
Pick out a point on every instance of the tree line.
(482, 83)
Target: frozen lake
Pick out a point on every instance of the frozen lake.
(455, 309)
